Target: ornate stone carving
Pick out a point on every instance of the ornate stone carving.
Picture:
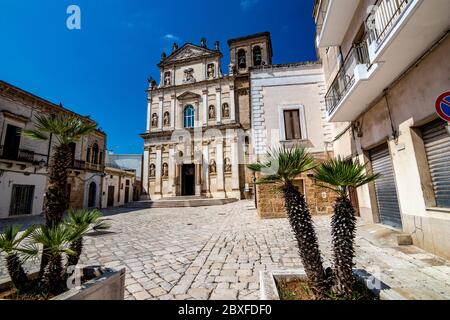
(226, 110)
(152, 171)
(211, 71)
(167, 79)
(227, 165)
(165, 170)
(212, 112)
(166, 119)
(189, 76)
(231, 69)
(154, 120)
(212, 167)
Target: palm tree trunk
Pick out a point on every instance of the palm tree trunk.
(56, 202)
(343, 229)
(53, 280)
(16, 272)
(77, 247)
(301, 223)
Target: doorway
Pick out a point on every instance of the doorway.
(385, 187)
(111, 196)
(92, 194)
(21, 200)
(12, 142)
(188, 180)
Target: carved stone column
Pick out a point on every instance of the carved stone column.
(205, 107)
(219, 105)
(206, 169)
(235, 164)
(145, 175)
(173, 110)
(232, 104)
(149, 115)
(172, 170)
(160, 116)
(158, 175)
(219, 163)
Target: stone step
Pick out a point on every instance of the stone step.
(179, 203)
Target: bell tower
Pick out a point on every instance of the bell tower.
(250, 51)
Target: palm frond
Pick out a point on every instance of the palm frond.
(66, 128)
(341, 175)
(284, 165)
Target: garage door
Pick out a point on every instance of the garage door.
(385, 187)
(437, 146)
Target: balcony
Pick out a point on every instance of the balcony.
(333, 20)
(83, 165)
(353, 70)
(23, 155)
(398, 34)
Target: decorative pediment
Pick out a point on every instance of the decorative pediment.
(187, 53)
(188, 95)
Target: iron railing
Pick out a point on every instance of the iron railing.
(23, 155)
(384, 19)
(321, 14)
(345, 78)
(83, 165)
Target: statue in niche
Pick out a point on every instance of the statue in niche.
(212, 167)
(154, 120)
(231, 69)
(167, 81)
(212, 112)
(211, 71)
(189, 76)
(165, 170)
(226, 110)
(166, 119)
(227, 165)
(152, 171)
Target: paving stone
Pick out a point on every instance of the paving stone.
(220, 256)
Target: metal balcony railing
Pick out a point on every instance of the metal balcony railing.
(345, 78)
(23, 155)
(384, 18)
(321, 14)
(83, 165)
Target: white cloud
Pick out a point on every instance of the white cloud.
(247, 4)
(170, 36)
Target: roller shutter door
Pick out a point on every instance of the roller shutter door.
(385, 187)
(437, 147)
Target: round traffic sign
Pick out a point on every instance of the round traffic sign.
(443, 106)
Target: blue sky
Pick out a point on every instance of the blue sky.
(101, 70)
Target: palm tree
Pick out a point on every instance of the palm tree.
(66, 129)
(83, 221)
(340, 175)
(282, 166)
(16, 254)
(56, 242)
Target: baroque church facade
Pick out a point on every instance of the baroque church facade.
(197, 139)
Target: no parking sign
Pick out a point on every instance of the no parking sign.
(443, 106)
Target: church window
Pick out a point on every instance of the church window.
(189, 117)
(242, 60)
(257, 56)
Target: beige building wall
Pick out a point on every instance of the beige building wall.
(19, 108)
(396, 118)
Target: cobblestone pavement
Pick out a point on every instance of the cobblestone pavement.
(217, 253)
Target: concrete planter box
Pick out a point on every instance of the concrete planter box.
(109, 285)
(269, 289)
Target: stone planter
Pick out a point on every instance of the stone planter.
(269, 289)
(109, 284)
